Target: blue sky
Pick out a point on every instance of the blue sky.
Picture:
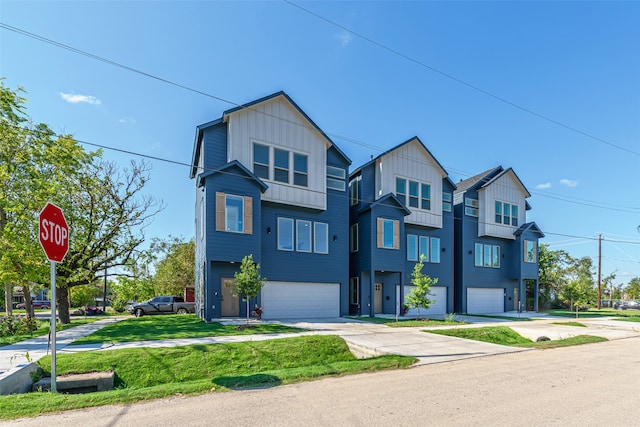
(551, 89)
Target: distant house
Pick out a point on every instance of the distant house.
(271, 183)
(496, 249)
(400, 210)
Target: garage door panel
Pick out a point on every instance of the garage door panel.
(287, 300)
(485, 300)
(438, 295)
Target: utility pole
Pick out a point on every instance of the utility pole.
(599, 266)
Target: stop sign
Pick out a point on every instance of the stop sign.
(53, 232)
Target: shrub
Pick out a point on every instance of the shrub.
(13, 325)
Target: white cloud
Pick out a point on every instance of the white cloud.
(127, 120)
(73, 98)
(569, 183)
(345, 39)
(543, 186)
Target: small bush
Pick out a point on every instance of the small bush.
(13, 325)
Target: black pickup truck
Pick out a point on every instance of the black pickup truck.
(162, 305)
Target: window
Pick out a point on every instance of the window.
(401, 190)
(335, 178)
(425, 197)
(514, 215)
(388, 233)
(506, 213)
(353, 190)
(234, 213)
(413, 194)
(303, 236)
(353, 290)
(285, 234)
(446, 202)
(424, 247)
(487, 255)
(202, 219)
(261, 160)
(412, 247)
(498, 212)
(435, 249)
(353, 238)
(281, 165)
(471, 207)
(321, 238)
(530, 254)
(300, 171)
(506, 219)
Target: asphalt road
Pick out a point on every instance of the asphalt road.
(591, 385)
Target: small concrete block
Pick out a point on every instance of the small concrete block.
(18, 379)
(79, 383)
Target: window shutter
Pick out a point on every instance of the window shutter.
(248, 215)
(220, 211)
(396, 234)
(380, 231)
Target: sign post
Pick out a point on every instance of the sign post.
(53, 233)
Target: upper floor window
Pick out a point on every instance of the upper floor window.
(388, 233)
(353, 238)
(353, 190)
(261, 161)
(305, 234)
(446, 202)
(470, 206)
(419, 194)
(530, 253)
(273, 163)
(412, 247)
(487, 255)
(335, 178)
(506, 213)
(234, 213)
(435, 250)
(423, 247)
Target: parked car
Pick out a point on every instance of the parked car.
(36, 304)
(162, 305)
(627, 305)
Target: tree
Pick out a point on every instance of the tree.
(103, 205)
(248, 281)
(419, 295)
(552, 271)
(175, 270)
(580, 289)
(633, 288)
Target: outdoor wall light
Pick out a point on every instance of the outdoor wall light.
(470, 252)
(444, 249)
(335, 237)
(268, 230)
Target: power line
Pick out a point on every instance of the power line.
(460, 81)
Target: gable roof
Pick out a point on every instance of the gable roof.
(225, 169)
(477, 180)
(295, 106)
(530, 226)
(408, 141)
(501, 174)
(225, 116)
(389, 200)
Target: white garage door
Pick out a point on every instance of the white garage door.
(289, 300)
(438, 295)
(485, 300)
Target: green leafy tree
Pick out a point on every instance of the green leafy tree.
(552, 273)
(580, 288)
(248, 281)
(419, 295)
(175, 270)
(633, 288)
(84, 295)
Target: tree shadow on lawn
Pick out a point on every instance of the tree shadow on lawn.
(247, 382)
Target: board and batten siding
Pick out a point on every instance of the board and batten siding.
(276, 123)
(412, 162)
(504, 189)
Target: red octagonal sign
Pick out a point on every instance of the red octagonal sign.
(53, 232)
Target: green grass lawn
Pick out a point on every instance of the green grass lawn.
(408, 322)
(43, 329)
(511, 318)
(594, 312)
(506, 336)
(581, 325)
(174, 326)
(148, 373)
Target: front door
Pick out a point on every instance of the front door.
(230, 304)
(377, 298)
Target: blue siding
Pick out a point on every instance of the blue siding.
(214, 140)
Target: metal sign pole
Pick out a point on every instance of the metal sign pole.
(54, 387)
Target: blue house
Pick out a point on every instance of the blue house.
(400, 209)
(271, 183)
(496, 250)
